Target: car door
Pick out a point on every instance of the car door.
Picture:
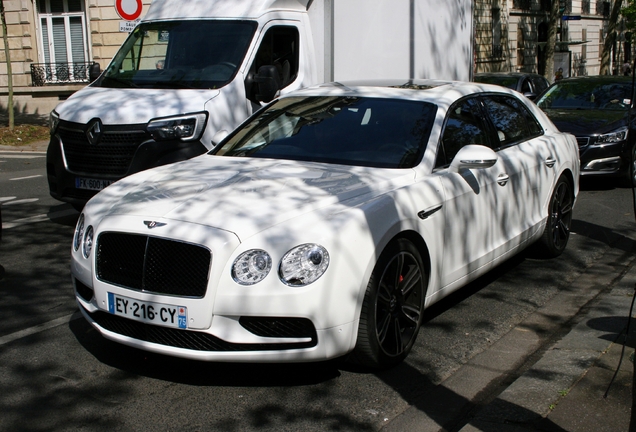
(476, 200)
(528, 158)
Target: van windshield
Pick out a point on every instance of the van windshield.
(180, 54)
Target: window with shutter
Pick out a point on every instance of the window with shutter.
(63, 39)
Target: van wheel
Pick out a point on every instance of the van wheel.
(557, 230)
(392, 308)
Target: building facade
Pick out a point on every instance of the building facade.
(53, 43)
(511, 36)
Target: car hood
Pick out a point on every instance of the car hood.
(586, 122)
(242, 195)
(131, 106)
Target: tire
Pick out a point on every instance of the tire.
(557, 230)
(392, 308)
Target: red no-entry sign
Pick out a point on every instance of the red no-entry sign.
(128, 9)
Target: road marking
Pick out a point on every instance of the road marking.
(39, 328)
(20, 156)
(25, 178)
(38, 218)
(22, 201)
(2, 199)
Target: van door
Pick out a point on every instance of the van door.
(279, 47)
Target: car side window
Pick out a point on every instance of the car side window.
(465, 124)
(526, 86)
(540, 84)
(513, 122)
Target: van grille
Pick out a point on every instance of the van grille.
(110, 156)
(153, 264)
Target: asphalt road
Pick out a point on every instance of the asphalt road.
(56, 373)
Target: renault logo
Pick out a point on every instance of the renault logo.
(94, 131)
(153, 224)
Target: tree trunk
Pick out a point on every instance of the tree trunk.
(551, 43)
(608, 46)
(5, 36)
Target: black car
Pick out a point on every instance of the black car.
(529, 84)
(596, 110)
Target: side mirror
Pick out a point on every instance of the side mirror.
(268, 83)
(94, 72)
(473, 156)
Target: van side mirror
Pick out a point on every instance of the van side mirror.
(268, 83)
(94, 72)
(473, 156)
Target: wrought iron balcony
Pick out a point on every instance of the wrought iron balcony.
(60, 73)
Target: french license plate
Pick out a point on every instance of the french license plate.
(149, 312)
(91, 184)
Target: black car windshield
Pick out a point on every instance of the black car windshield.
(180, 54)
(587, 95)
(376, 132)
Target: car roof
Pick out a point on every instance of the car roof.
(434, 91)
(597, 78)
(511, 74)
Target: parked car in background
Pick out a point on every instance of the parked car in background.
(529, 84)
(596, 111)
(325, 224)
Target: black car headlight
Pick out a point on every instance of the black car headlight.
(187, 127)
(613, 137)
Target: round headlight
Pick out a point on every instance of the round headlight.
(87, 247)
(251, 267)
(79, 232)
(303, 264)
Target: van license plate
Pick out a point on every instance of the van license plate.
(148, 312)
(91, 184)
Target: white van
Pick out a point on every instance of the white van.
(193, 70)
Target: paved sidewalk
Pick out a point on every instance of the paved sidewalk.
(37, 146)
(564, 390)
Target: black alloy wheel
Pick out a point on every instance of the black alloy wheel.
(557, 230)
(393, 307)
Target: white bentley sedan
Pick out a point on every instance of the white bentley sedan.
(326, 224)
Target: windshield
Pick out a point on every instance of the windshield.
(587, 95)
(385, 133)
(181, 54)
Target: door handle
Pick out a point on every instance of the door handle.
(502, 179)
(550, 162)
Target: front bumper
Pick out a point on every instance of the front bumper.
(610, 160)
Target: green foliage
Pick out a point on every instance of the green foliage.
(629, 13)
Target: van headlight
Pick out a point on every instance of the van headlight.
(187, 127)
(303, 264)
